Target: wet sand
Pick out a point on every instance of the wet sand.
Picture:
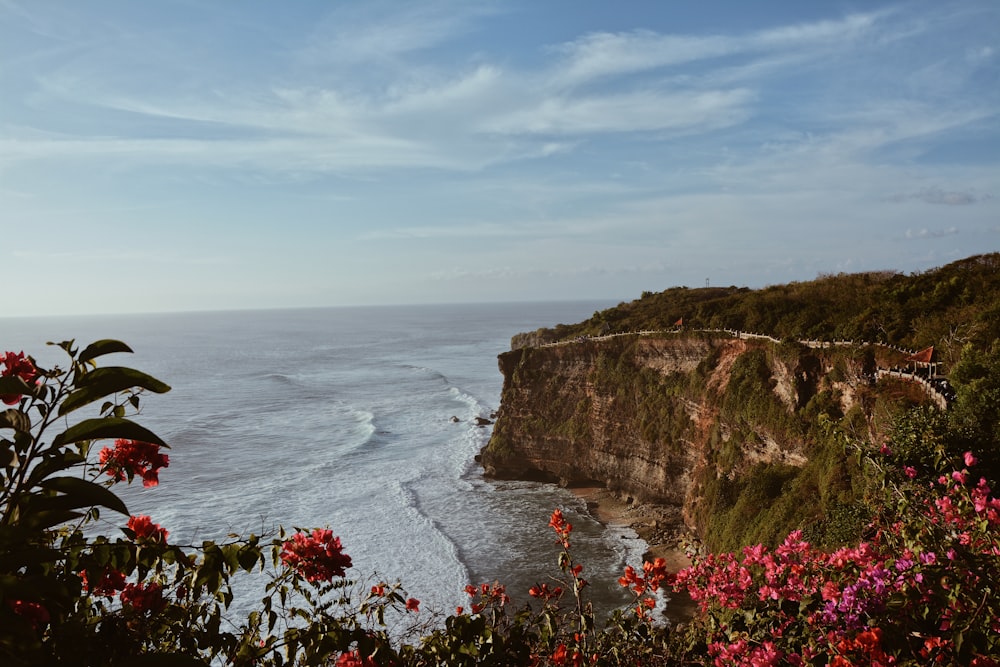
(660, 526)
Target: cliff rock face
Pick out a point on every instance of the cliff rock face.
(657, 418)
(561, 420)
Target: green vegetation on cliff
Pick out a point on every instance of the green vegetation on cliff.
(947, 307)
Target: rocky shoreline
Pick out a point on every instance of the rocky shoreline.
(660, 526)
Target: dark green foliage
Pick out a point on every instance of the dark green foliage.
(946, 307)
(975, 414)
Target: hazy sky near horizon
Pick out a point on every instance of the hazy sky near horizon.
(190, 155)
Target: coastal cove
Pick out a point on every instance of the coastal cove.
(660, 527)
(342, 417)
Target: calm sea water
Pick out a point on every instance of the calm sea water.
(342, 417)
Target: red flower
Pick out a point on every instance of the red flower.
(111, 582)
(354, 659)
(35, 613)
(129, 458)
(144, 597)
(147, 531)
(413, 605)
(562, 527)
(317, 557)
(16, 364)
(543, 591)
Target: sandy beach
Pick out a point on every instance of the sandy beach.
(661, 527)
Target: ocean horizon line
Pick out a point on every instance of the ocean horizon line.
(303, 308)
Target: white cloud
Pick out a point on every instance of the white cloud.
(930, 233)
(607, 54)
(384, 31)
(980, 54)
(933, 195)
(630, 112)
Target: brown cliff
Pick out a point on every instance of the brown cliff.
(686, 421)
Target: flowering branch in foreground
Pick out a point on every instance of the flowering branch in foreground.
(131, 458)
(317, 557)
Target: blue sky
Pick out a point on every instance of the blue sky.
(190, 155)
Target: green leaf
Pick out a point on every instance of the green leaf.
(54, 462)
(13, 385)
(124, 377)
(103, 382)
(105, 346)
(248, 557)
(15, 419)
(87, 493)
(13, 559)
(66, 345)
(48, 518)
(105, 428)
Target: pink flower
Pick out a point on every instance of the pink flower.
(910, 471)
(147, 531)
(317, 557)
(830, 591)
(970, 460)
(129, 458)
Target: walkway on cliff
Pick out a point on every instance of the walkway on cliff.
(936, 386)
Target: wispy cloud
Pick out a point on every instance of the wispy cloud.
(441, 116)
(599, 55)
(925, 233)
(939, 196)
(379, 31)
(472, 113)
(122, 258)
(632, 112)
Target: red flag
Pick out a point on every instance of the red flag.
(924, 356)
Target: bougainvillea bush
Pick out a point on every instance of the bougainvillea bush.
(919, 588)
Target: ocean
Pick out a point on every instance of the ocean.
(343, 418)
